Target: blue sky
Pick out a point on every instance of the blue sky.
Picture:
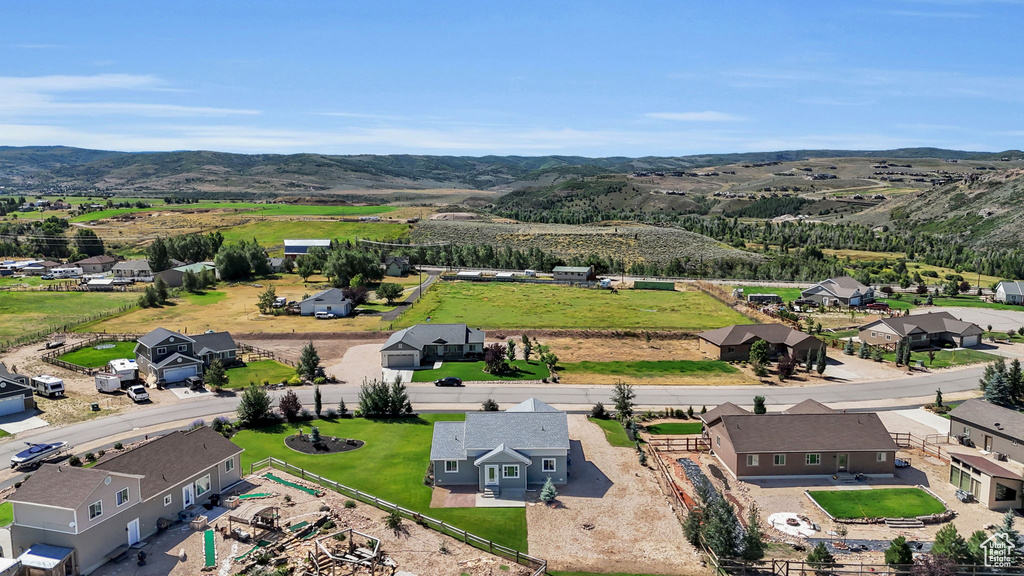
(590, 78)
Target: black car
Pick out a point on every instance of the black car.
(449, 381)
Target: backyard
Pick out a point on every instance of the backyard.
(614, 432)
(878, 503)
(675, 428)
(25, 313)
(510, 305)
(258, 372)
(97, 356)
(474, 371)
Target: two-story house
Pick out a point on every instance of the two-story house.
(121, 500)
(167, 357)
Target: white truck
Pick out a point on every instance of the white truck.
(46, 385)
(125, 368)
(107, 382)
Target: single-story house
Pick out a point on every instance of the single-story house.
(293, 248)
(121, 500)
(97, 264)
(15, 392)
(1009, 292)
(991, 483)
(167, 357)
(210, 346)
(809, 440)
(396, 266)
(922, 330)
(733, 342)
(511, 450)
(276, 265)
(411, 347)
(135, 269)
(573, 273)
(40, 268)
(332, 300)
(842, 290)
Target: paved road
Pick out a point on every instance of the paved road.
(392, 315)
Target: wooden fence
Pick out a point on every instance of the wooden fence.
(538, 565)
(53, 356)
(257, 354)
(802, 568)
(680, 443)
(62, 328)
(932, 447)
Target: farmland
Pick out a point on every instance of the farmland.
(28, 312)
(256, 209)
(503, 305)
(271, 233)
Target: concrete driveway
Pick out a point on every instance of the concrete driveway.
(1001, 320)
(359, 362)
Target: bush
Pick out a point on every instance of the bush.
(325, 508)
(220, 423)
(305, 414)
(90, 456)
(680, 414)
(330, 414)
(319, 380)
(599, 412)
(350, 503)
(294, 381)
(118, 446)
(489, 405)
(75, 461)
(100, 453)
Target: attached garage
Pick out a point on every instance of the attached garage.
(11, 405)
(15, 397)
(400, 360)
(180, 373)
(969, 341)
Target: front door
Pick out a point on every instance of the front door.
(133, 532)
(491, 475)
(186, 496)
(842, 461)
(988, 443)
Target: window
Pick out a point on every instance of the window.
(182, 348)
(880, 457)
(888, 337)
(95, 510)
(780, 459)
(547, 465)
(753, 460)
(812, 459)
(1013, 442)
(874, 334)
(510, 471)
(121, 497)
(203, 485)
(732, 348)
(168, 500)
(718, 441)
(967, 430)
(451, 466)
(229, 465)
(1005, 493)
(161, 350)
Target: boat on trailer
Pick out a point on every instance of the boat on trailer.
(37, 453)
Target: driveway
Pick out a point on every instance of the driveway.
(1001, 320)
(359, 362)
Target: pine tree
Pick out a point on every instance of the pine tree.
(548, 492)
(876, 354)
(822, 361)
(163, 291)
(759, 407)
(342, 408)
(998, 391)
(318, 403)
(823, 558)
(898, 553)
(216, 376)
(848, 348)
(990, 369)
(808, 362)
(949, 542)
(906, 354)
(938, 398)
(527, 348)
(753, 539)
(864, 352)
(1015, 379)
(1012, 536)
(899, 352)
(309, 361)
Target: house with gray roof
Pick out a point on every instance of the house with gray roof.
(134, 269)
(842, 291)
(396, 266)
(166, 357)
(573, 273)
(502, 451)
(991, 472)
(295, 247)
(416, 345)
(331, 300)
(1010, 292)
(939, 329)
(16, 394)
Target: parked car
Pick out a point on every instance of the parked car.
(878, 306)
(194, 382)
(323, 315)
(448, 381)
(138, 393)
(47, 276)
(280, 302)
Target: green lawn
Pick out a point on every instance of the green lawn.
(90, 357)
(968, 302)
(509, 305)
(614, 432)
(271, 233)
(947, 358)
(880, 503)
(29, 312)
(27, 280)
(787, 294)
(904, 303)
(257, 209)
(675, 428)
(256, 372)
(648, 368)
(390, 466)
(6, 514)
(203, 298)
(474, 371)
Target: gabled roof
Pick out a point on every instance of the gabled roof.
(986, 466)
(747, 333)
(420, 335)
(575, 269)
(502, 450)
(988, 415)
(172, 459)
(1012, 287)
(213, 342)
(195, 268)
(830, 432)
(716, 413)
(531, 405)
(447, 442)
(841, 286)
(60, 486)
(809, 406)
(9, 376)
(330, 295)
(177, 359)
(324, 242)
(931, 323)
(101, 259)
(158, 335)
(515, 429)
(132, 265)
(400, 260)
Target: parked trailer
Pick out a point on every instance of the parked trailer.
(58, 273)
(126, 369)
(108, 382)
(46, 385)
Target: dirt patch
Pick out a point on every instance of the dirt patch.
(327, 444)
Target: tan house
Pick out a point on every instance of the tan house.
(573, 273)
(732, 343)
(989, 474)
(122, 500)
(842, 291)
(807, 441)
(97, 264)
(922, 330)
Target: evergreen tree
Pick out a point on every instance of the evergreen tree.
(216, 376)
(510, 350)
(753, 539)
(899, 352)
(254, 406)
(998, 391)
(759, 352)
(848, 348)
(876, 354)
(978, 537)
(1012, 536)
(822, 361)
(527, 348)
(163, 291)
(864, 351)
(309, 362)
(721, 528)
(548, 491)
(898, 553)
(623, 396)
(759, 407)
(906, 354)
(318, 401)
(938, 398)
(990, 369)
(342, 408)
(1016, 380)
(821, 557)
(808, 362)
(950, 543)
(692, 526)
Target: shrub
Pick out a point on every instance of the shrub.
(90, 456)
(599, 412)
(350, 503)
(197, 423)
(394, 521)
(489, 405)
(330, 414)
(287, 498)
(548, 492)
(118, 446)
(305, 414)
(325, 508)
(220, 423)
(100, 453)
(75, 461)
(680, 414)
(294, 381)
(319, 380)
(290, 406)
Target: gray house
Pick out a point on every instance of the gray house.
(331, 300)
(991, 474)
(167, 357)
(1009, 292)
(842, 290)
(922, 330)
(15, 392)
(396, 266)
(97, 264)
(121, 500)
(509, 450)
(421, 343)
(573, 273)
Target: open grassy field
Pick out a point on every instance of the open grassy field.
(641, 369)
(258, 372)
(390, 466)
(614, 432)
(271, 233)
(864, 255)
(675, 428)
(787, 294)
(507, 305)
(474, 371)
(260, 209)
(29, 312)
(970, 277)
(877, 503)
(91, 357)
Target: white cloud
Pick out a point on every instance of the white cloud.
(695, 116)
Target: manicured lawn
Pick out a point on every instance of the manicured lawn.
(904, 303)
(28, 312)
(509, 305)
(787, 294)
(676, 428)
(92, 358)
(880, 503)
(4, 434)
(6, 513)
(614, 432)
(969, 302)
(474, 371)
(649, 368)
(390, 466)
(256, 372)
(947, 358)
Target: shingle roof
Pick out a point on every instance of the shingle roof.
(932, 323)
(447, 441)
(502, 450)
(328, 295)
(132, 265)
(214, 342)
(420, 335)
(745, 333)
(986, 466)
(753, 433)
(517, 430)
(988, 415)
(400, 260)
(722, 409)
(532, 405)
(842, 286)
(577, 269)
(325, 242)
(60, 486)
(171, 459)
(101, 259)
(1015, 287)
(173, 359)
(809, 406)
(195, 268)
(158, 335)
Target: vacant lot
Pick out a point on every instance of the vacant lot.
(28, 312)
(259, 372)
(271, 233)
(474, 371)
(93, 357)
(787, 294)
(506, 305)
(879, 503)
(663, 372)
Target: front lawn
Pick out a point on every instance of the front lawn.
(614, 432)
(257, 372)
(947, 358)
(6, 514)
(675, 428)
(649, 368)
(90, 357)
(474, 371)
(390, 466)
(880, 503)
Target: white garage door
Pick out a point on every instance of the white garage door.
(12, 405)
(970, 341)
(401, 360)
(179, 374)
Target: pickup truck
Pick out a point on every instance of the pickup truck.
(138, 393)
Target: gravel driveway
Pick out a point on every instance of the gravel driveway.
(362, 361)
(614, 515)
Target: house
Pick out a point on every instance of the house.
(421, 343)
(15, 393)
(922, 330)
(97, 264)
(332, 300)
(993, 474)
(134, 269)
(295, 248)
(843, 291)
(573, 273)
(167, 357)
(808, 440)
(495, 451)
(733, 342)
(121, 500)
(396, 266)
(1009, 292)
(276, 265)
(40, 268)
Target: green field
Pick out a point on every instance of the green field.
(256, 372)
(390, 466)
(6, 513)
(474, 371)
(203, 298)
(787, 294)
(614, 432)
(29, 312)
(256, 209)
(947, 358)
(648, 368)
(508, 305)
(676, 428)
(90, 357)
(271, 233)
(878, 503)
